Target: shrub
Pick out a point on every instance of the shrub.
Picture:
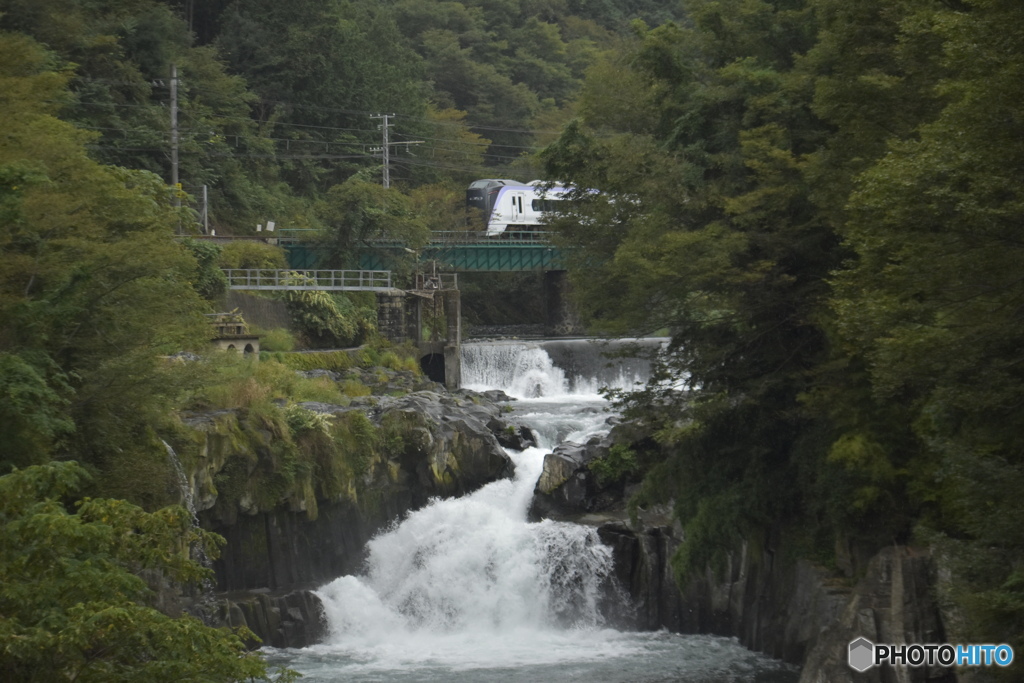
(277, 339)
(251, 254)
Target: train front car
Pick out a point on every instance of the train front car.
(513, 207)
(481, 195)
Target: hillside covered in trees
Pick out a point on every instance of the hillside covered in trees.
(276, 100)
(821, 201)
(274, 109)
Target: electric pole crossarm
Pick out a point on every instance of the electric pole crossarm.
(385, 149)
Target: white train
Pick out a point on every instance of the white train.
(509, 205)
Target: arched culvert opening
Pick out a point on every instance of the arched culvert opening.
(231, 347)
(249, 349)
(432, 365)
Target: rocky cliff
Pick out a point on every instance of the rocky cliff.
(296, 506)
(765, 594)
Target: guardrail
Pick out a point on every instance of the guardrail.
(456, 237)
(297, 280)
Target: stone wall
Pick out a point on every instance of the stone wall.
(265, 313)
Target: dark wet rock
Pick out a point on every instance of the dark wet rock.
(568, 488)
(292, 619)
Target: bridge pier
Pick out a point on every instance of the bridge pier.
(391, 315)
(415, 316)
(561, 317)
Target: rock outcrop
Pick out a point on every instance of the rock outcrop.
(292, 619)
(765, 596)
(569, 490)
(284, 535)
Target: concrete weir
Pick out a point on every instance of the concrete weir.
(430, 316)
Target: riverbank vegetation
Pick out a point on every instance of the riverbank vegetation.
(819, 200)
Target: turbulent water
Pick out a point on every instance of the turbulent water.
(468, 590)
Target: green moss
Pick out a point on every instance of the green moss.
(353, 388)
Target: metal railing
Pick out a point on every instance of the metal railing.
(295, 280)
(507, 237)
(453, 238)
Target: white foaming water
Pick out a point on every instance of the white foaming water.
(518, 370)
(467, 582)
(527, 369)
(467, 589)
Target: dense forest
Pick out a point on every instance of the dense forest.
(818, 199)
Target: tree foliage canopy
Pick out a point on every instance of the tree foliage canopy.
(93, 288)
(73, 603)
(819, 200)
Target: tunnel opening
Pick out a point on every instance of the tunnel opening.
(432, 365)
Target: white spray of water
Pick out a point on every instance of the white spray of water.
(523, 371)
(526, 370)
(184, 485)
(473, 566)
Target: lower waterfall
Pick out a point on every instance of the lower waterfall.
(468, 589)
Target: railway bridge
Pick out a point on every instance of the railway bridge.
(402, 313)
(465, 252)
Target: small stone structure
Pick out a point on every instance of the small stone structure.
(430, 315)
(231, 333)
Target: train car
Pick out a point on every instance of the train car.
(512, 206)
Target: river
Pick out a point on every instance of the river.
(467, 589)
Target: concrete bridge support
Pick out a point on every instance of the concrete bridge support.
(561, 317)
(401, 317)
(391, 315)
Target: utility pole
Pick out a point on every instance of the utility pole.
(174, 125)
(175, 183)
(385, 149)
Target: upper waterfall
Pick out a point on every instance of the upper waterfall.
(553, 368)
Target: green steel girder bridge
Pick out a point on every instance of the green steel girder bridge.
(460, 252)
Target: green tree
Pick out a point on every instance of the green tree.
(121, 55)
(360, 211)
(703, 224)
(933, 302)
(321, 68)
(73, 606)
(93, 286)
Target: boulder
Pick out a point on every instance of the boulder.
(292, 619)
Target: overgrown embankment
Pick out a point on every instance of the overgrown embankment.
(298, 485)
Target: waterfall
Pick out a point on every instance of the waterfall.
(551, 369)
(187, 495)
(469, 577)
(474, 566)
(204, 607)
(468, 589)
